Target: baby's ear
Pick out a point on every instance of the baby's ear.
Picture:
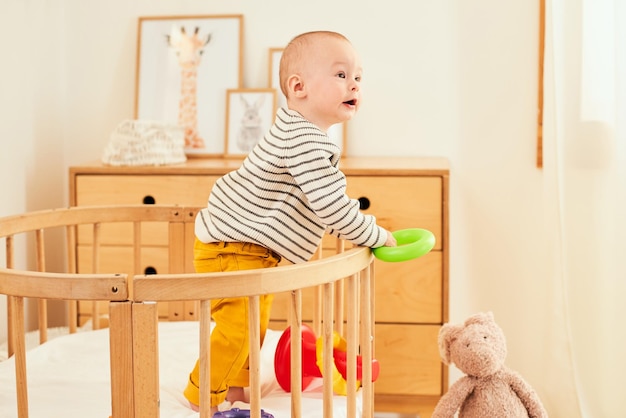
(447, 335)
(295, 85)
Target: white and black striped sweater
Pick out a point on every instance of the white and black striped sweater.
(286, 193)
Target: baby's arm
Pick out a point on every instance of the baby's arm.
(391, 240)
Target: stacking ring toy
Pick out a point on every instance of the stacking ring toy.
(240, 413)
(313, 362)
(412, 243)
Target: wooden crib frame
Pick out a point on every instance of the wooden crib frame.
(344, 282)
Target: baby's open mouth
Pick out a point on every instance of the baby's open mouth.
(350, 102)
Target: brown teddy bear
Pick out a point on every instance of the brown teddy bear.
(489, 389)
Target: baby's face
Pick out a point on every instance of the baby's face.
(332, 77)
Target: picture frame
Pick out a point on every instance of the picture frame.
(274, 80)
(191, 96)
(337, 133)
(249, 116)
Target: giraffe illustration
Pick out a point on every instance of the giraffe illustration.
(189, 49)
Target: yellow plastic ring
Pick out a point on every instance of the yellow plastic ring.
(340, 386)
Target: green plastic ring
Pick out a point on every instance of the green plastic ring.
(412, 243)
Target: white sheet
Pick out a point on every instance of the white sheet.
(68, 377)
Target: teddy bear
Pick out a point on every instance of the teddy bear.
(489, 389)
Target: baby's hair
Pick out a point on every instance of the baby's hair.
(295, 51)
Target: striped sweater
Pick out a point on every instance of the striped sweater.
(286, 194)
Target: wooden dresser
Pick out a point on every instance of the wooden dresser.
(411, 298)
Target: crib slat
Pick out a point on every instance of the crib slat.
(70, 233)
(9, 251)
(339, 298)
(295, 313)
(181, 233)
(95, 266)
(352, 297)
(42, 304)
(145, 359)
(254, 355)
(327, 315)
(367, 338)
(9, 263)
(205, 356)
(121, 355)
(176, 253)
(17, 338)
(317, 310)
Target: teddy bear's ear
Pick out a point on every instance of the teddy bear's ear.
(480, 318)
(447, 334)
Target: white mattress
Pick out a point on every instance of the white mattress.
(68, 377)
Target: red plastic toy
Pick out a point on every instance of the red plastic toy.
(311, 362)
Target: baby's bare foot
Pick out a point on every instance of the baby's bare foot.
(235, 394)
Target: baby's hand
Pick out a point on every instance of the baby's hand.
(391, 241)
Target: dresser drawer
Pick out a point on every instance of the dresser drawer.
(119, 259)
(410, 291)
(138, 189)
(409, 360)
(135, 190)
(122, 234)
(401, 202)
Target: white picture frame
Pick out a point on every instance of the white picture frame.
(249, 116)
(167, 91)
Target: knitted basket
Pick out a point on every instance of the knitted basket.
(139, 142)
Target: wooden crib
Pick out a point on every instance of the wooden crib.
(342, 284)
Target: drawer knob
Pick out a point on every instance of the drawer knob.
(149, 200)
(149, 270)
(364, 203)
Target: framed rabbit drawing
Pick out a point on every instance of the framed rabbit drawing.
(249, 115)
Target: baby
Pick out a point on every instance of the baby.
(278, 204)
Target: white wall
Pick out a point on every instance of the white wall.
(450, 78)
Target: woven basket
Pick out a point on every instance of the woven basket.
(139, 142)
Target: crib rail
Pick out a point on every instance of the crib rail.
(32, 278)
(343, 283)
(20, 285)
(34, 228)
(352, 266)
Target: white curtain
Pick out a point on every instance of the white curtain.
(585, 177)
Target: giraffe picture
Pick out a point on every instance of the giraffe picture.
(185, 65)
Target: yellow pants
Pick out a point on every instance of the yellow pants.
(229, 340)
